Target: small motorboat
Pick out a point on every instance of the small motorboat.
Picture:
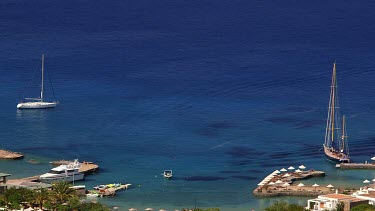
(100, 187)
(167, 174)
(92, 195)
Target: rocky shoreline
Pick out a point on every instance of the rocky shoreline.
(6, 154)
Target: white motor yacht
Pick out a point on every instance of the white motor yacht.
(69, 173)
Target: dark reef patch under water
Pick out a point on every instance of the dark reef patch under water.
(281, 120)
(309, 123)
(204, 178)
(221, 125)
(244, 177)
(213, 129)
(297, 123)
(230, 172)
(299, 109)
(240, 162)
(238, 151)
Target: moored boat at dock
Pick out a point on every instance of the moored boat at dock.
(335, 144)
(69, 173)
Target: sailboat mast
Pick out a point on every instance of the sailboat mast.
(42, 88)
(333, 102)
(343, 133)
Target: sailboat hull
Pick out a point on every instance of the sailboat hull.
(36, 105)
(335, 156)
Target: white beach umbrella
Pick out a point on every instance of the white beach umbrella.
(283, 169)
(266, 179)
(329, 186)
(271, 183)
(373, 158)
(278, 182)
(132, 209)
(149, 209)
(277, 172)
(286, 185)
(162, 210)
(298, 171)
(302, 167)
(366, 181)
(373, 180)
(315, 185)
(260, 184)
(291, 168)
(286, 175)
(300, 185)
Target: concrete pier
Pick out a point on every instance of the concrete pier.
(356, 165)
(267, 190)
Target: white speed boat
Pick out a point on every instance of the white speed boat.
(167, 174)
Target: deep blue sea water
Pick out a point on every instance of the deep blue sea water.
(221, 92)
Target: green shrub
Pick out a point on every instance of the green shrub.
(283, 206)
(364, 207)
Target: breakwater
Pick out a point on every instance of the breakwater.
(356, 165)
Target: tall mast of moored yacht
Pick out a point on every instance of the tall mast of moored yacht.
(42, 88)
(344, 136)
(333, 89)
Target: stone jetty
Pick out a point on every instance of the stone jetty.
(282, 185)
(5, 154)
(356, 165)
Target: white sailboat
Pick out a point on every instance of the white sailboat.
(335, 147)
(35, 103)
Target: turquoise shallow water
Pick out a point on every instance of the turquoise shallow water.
(222, 93)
